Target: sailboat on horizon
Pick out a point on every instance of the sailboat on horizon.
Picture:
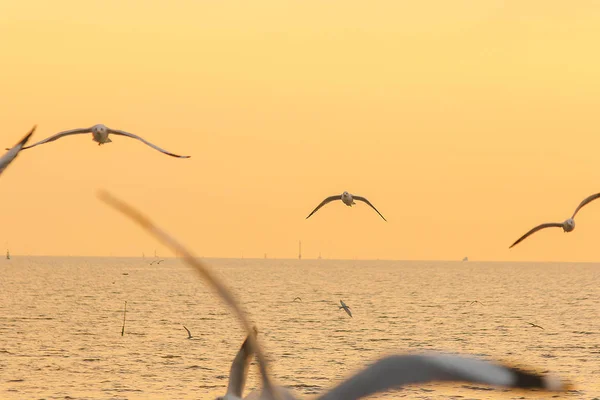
(7, 254)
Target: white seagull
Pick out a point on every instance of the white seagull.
(346, 308)
(387, 373)
(348, 200)
(567, 225)
(100, 134)
(14, 151)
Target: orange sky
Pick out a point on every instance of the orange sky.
(465, 123)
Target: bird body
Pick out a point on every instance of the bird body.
(347, 199)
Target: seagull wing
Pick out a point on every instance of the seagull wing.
(131, 135)
(188, 331)
(59, 135)
(359, 198)
(400, 370)
(534, 325)
(239, 370)
(587, 200)
(14, 151)
(537, 228)
(347, 309)
(327, 200)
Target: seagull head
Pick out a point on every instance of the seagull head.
(99, 129)
(569, 225)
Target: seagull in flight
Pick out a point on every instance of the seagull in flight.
(297, 298)
(188, 331)
(534, 325)
(567, 225)
(391, 372)
(475, 301)
(156, 261)
(348, 200)
(100, 134)
(346, 308)
(14, 151)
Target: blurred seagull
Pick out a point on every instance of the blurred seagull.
(14, 151)
(346, 308)
(348, 200)
(156, 261)
(567, 225)
(297, 298)
(100, 134)
(387, 373)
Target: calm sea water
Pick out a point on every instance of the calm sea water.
(61, 318)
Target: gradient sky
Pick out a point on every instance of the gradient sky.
(466, 123)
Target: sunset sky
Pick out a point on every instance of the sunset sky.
(466, 123)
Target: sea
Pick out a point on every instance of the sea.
(62, 336)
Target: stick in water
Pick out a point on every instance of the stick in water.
(124, 313)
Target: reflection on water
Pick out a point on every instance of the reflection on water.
(61, 318)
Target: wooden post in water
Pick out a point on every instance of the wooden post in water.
(124, 313)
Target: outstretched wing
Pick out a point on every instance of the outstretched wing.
(14, 151)
(359, 198)
(59, 135)
(400, 370)
(587, 200)
(347, 309)
(131, 135)
(239, 369)
(534, 230)
(327, 200)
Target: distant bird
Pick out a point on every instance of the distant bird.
(567, 225)
(156, 261)
(475, 301)
(534, 325)
(297, 298)
(100, 134)
(348, 200)
(14, 151)
(188, 331)
(239, 371)
(346, 308)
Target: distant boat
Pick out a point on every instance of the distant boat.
(319, 255)
(466, 259)
(299, 250)
(7, 255)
